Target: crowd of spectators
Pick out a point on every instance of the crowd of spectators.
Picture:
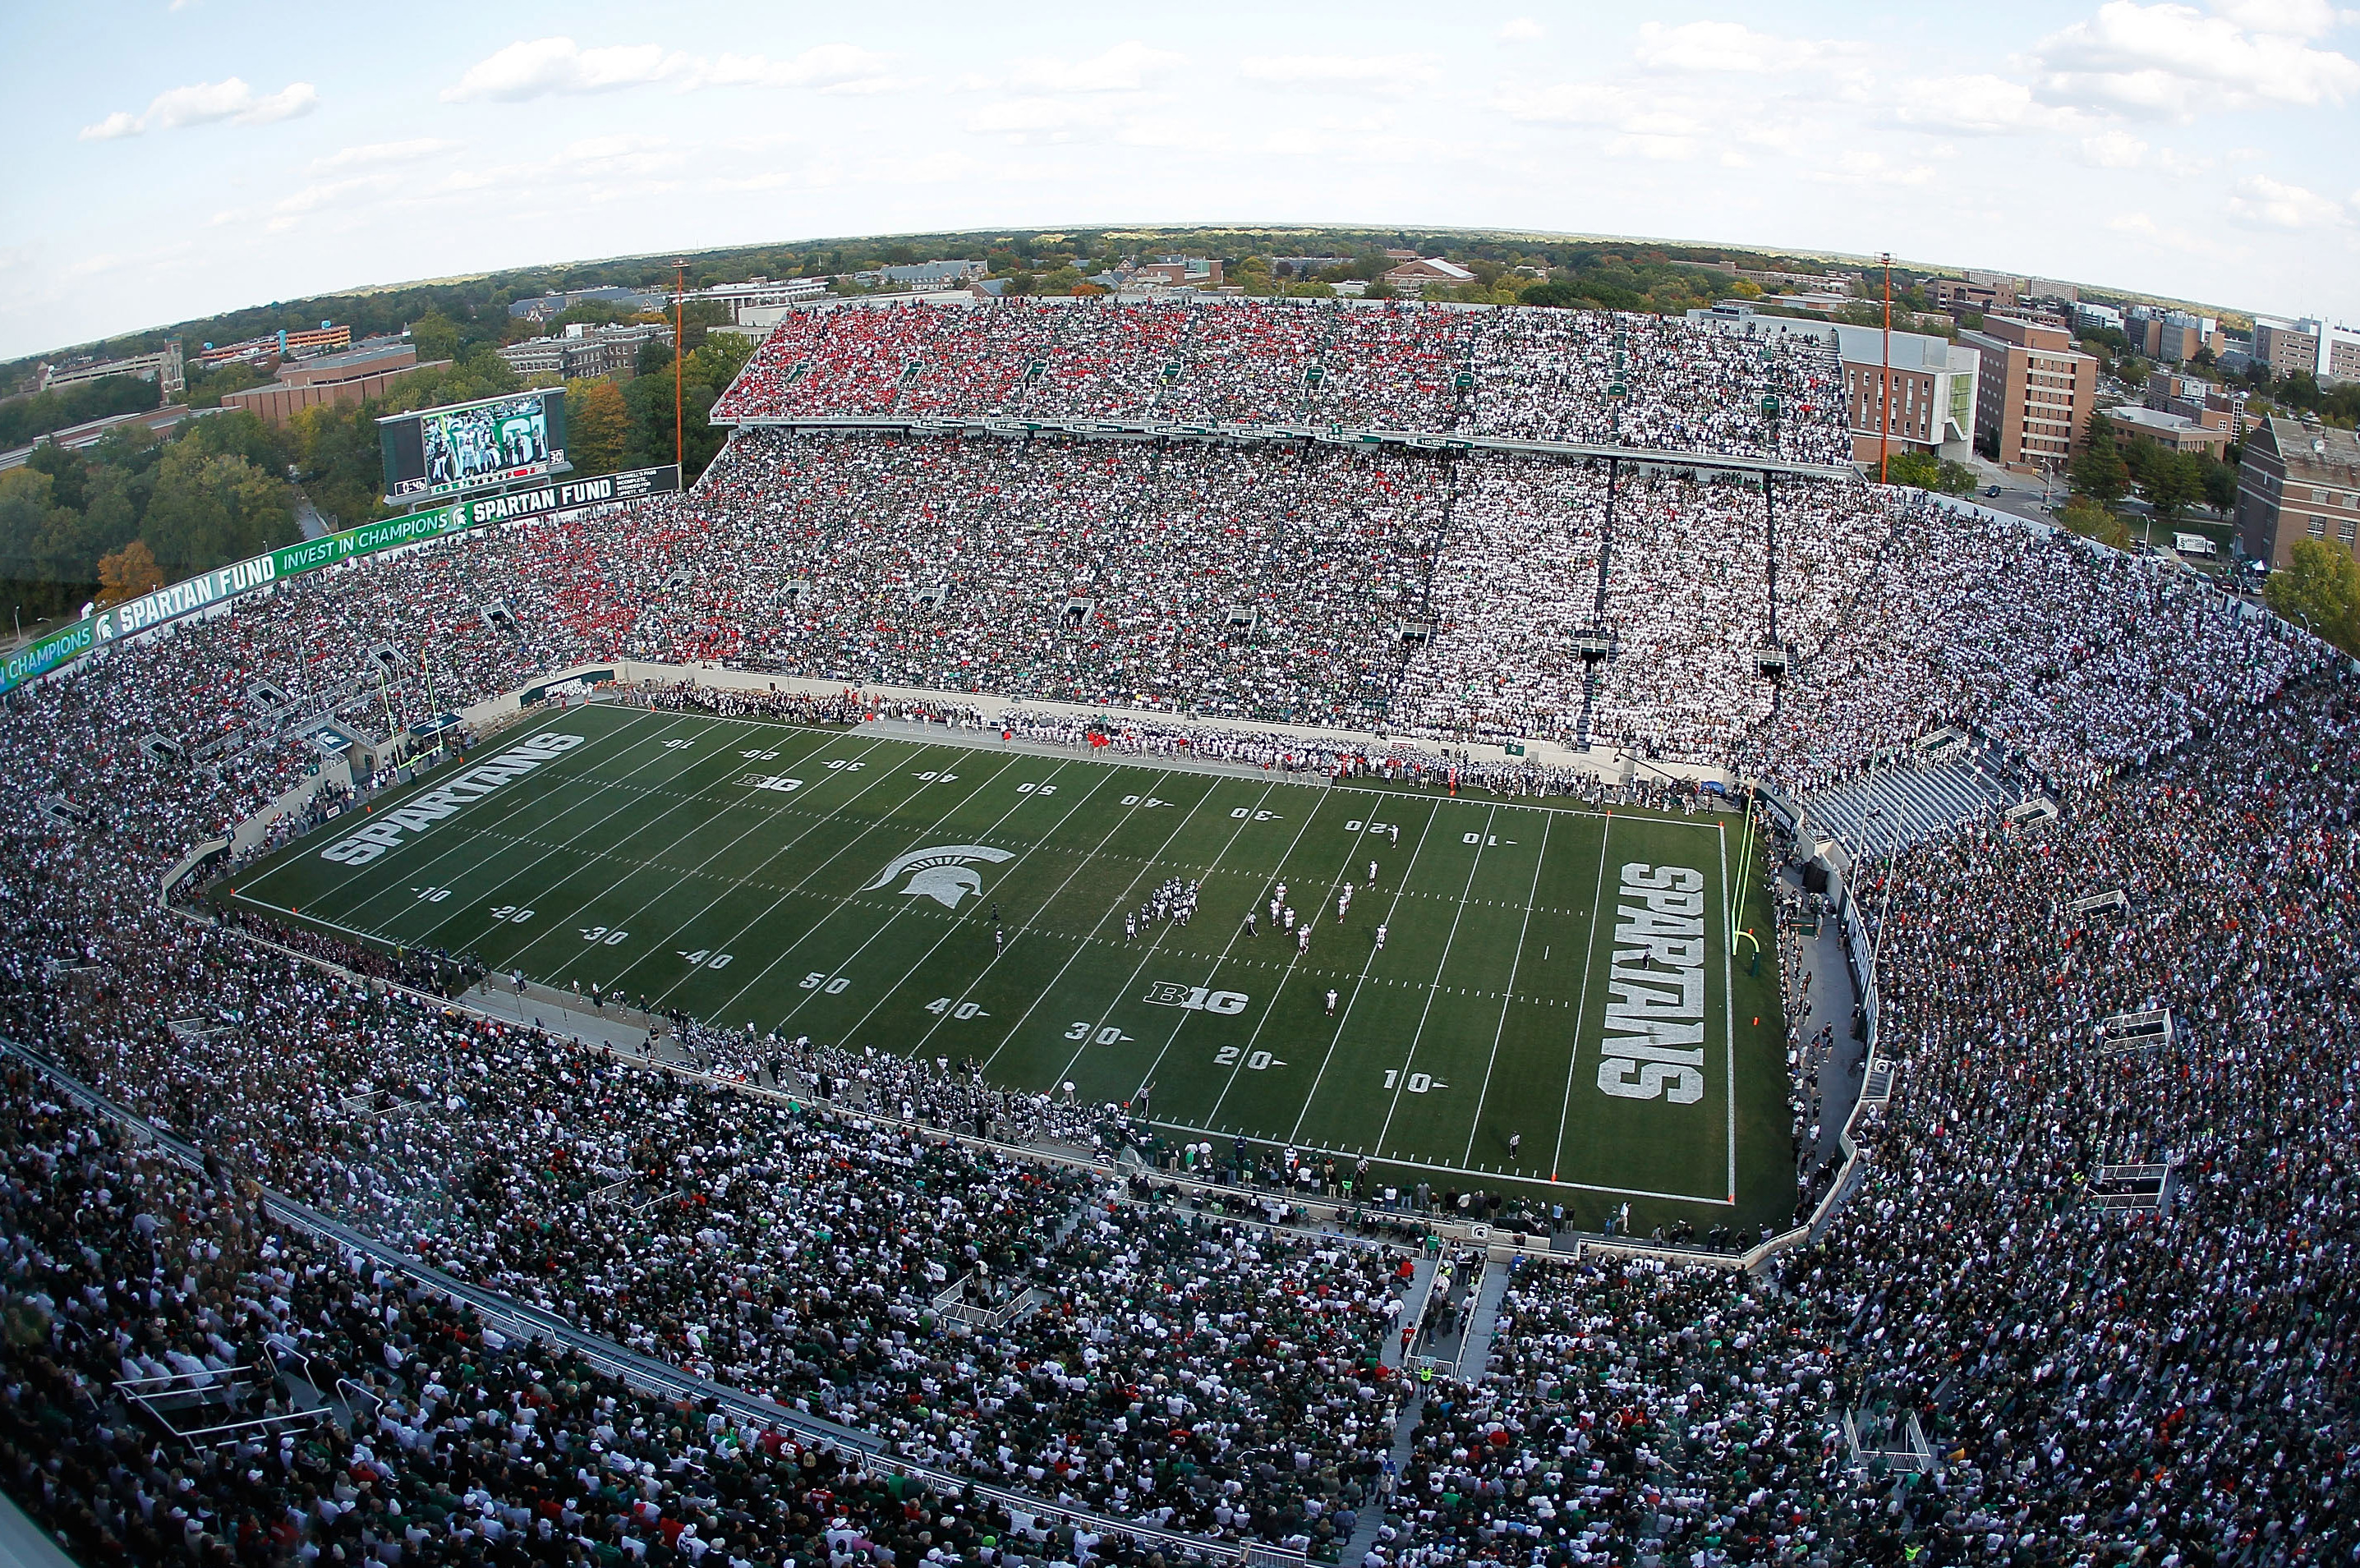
(1234, 583)
(1596, 377)
(2101, 1372)
(2082, 659)
(374, 1422)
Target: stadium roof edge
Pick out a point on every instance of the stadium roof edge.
(1664, 457)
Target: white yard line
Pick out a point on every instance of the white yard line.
(951, 930)
(636, 867)
(788, 805)
(1222, 957)
(1428, 1011)
(426, 937)
(1080, 865)
(1295, 966)
(1400, 887)
(1083, 946)
(1581, 1007)
(1729, 1007)
(1508, 1000)
(371, 870)
(848, 846)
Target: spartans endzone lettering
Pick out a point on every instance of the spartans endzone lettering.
(422, 811)
(1654, 1020)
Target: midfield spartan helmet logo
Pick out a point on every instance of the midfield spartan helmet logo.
(940, 874)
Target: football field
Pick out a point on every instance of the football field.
(1552, 974)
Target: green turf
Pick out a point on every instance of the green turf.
(646, 858)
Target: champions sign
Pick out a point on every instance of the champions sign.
(422, 810)
(223, 584)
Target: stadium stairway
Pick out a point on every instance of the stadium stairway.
(1892, 808)
(1373, 1515)
(1483, 1323)
(1421, 1283)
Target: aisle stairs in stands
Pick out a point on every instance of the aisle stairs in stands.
(1922, 793)
(1475, 1349)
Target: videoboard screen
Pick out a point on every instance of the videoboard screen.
(469, 446)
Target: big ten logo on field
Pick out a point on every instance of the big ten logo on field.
(1653, 1044)
(1196, 999)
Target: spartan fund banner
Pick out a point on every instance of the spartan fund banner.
(208, 588)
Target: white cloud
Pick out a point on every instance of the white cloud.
(2170, 62)
(1651, 144)
(538, 68)
(1521, 29)
(2174, 237)
(827, 68)
(207, 103)
(2292, 18)
(1977, 105)
(2113, 150)
(1861, 167)
(1584, 103)
(1128, 67)
(335, 192)
(1367, 73)
(2275, 204)
(1051, 119)
(410, 151)
(534, 68)
(1732, 46)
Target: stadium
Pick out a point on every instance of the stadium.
(1233, 931)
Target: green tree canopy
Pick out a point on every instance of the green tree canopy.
(597, 426)
(1924, 471)
(209, 509)
(2320, 590)
(2091, 520)
(2099, 471)
(25, 418)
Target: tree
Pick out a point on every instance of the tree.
(2319, 591)
(1924, 471)
(2220, 480)
(2172, 481)
(648, 398)
(435, 336)
(338, 453)
(597, 423)
(127, 573)
(25, 418)
(2091, 520)
(35, 534)
(207, 388)
(210, 510)
(2099, 471)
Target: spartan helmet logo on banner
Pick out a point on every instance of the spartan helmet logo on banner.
(940, 874)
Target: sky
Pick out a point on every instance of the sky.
(177, 158)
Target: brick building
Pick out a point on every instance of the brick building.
(342, 379)
(2298, 481)
(2033, 392)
